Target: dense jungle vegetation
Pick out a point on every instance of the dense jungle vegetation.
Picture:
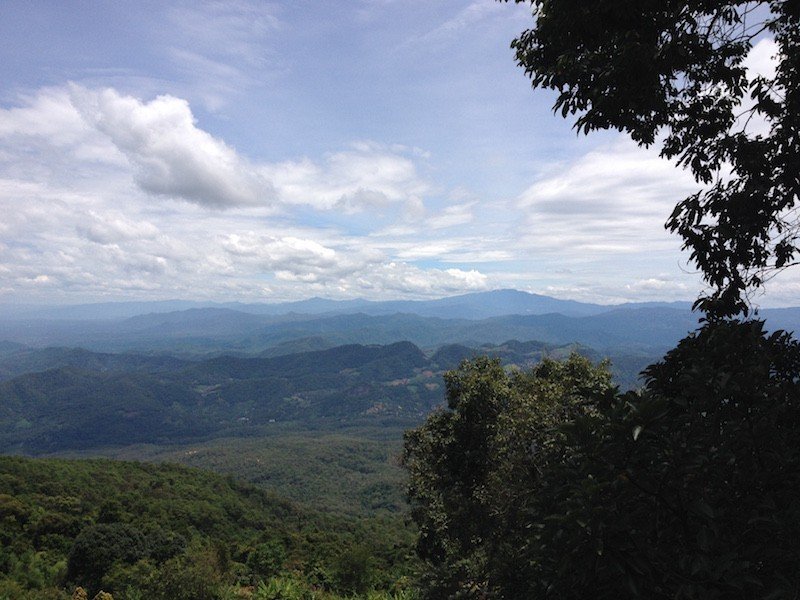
(163, 531)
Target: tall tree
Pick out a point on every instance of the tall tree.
(476, 469)
(672, 72)
(552, 485)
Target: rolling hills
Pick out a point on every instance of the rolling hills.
(191, 330)
(75, 399)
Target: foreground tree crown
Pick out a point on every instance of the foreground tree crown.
(672, 72)
(549, 484)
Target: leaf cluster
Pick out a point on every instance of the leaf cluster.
(476, 467)
(673, 72)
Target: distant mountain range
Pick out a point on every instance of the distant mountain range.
(190, 329)
(478, 305)
(91, 377)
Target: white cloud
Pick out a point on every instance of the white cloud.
(475, 13)
(48, 114)
(357, 269)
(171, 156)
(762, 60)
(451, 216)
(613, 200)
(233, 28)
(111, 228)
(409, 280)
(221, 48)
(659, 287)
(290, 258)
(89, 213)
(81, 167)
(455, 250)
(368, 176)
(161, 146)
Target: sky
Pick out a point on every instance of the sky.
(273, 151)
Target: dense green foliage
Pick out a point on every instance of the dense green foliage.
(349, 470)
(476, 467)
(550, 484)
(677, 68)
(162, 531)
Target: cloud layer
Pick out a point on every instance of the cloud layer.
(109, 195)
(112, 196)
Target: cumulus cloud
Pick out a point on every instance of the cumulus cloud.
(358, 270)
(80, 168)
(660, 287)
(45, 136)
(290, 258)
(171, 156)
(167, 154)
(108, 195)
(49, 114)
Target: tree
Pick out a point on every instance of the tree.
(266, 560)
(551, 484)
(354, 570)
(687, 490)
(672, 72)
(476, 467)
(192, 575)
(98, 547)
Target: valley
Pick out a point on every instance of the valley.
(309, 407)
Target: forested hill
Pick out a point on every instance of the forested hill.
(79, 400)
(26, 360)
(169, 532)
(73, 407)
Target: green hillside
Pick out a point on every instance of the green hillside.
(69, 408)
(166, 531)
(322, 428)
(352, 471)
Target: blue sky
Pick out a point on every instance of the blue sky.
(263, 151)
